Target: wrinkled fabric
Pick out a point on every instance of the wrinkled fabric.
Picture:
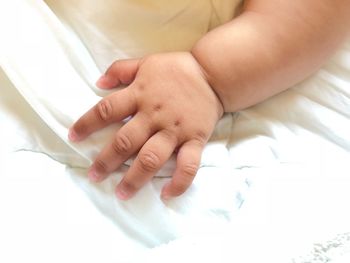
(298, 136)
(50, 67)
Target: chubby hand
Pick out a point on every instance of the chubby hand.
(173, 108)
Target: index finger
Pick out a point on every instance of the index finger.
(113, 108)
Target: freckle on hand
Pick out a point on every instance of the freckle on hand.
(158, 107)
(177, 123)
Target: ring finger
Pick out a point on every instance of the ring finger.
(150, 159)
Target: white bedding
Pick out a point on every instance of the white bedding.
(291, 152)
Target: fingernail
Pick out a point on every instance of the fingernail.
(165, 192)
(72, 135)
(122, 194)
(165, 196)
(93, 176)
(102, 82)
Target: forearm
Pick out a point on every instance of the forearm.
(270, 47)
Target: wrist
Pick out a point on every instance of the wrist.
(201, 54)
(204, 74)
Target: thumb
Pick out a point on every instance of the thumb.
(120, 72)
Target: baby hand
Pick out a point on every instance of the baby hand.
(173, 108)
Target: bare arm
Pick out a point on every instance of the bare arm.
(271, 46)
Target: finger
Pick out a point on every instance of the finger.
(110, 109)
(127, 141)
(188, 161)
(150, 159)
(120, 72)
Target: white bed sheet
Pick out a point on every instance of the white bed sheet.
(292, 150)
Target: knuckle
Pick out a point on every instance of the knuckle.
(104, 110)
(169, 135)
(200, 137)
(122, 144)
(189, 171)
(149, 161)
(101, 166)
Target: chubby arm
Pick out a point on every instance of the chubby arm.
(271, 46)
(177, 98)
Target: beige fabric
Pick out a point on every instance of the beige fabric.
(141, 26)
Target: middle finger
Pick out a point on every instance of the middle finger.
(127, 141)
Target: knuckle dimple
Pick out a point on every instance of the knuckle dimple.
(104, 110)
(122, 144)
(149, 161)
(140, 85)
(177, 123)
(169, 135)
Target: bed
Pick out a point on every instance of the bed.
(278, 172)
